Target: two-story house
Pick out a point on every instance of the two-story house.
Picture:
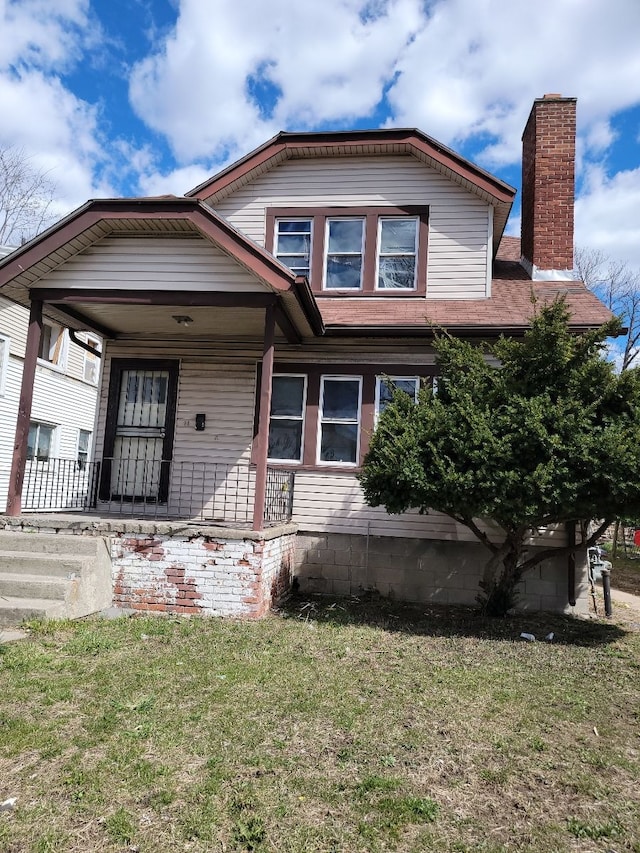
(64, 396)
(249, 328)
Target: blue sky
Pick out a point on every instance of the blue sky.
(134, 97)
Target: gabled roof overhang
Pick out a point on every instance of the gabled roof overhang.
(24, 268)
(363, 143)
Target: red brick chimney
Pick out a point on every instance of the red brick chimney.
(548, 182)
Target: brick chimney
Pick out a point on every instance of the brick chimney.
(548, 183)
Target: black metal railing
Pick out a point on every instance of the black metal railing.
(147, 488)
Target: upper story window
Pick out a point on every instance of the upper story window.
(53, 344)
(91, 361)
(379, 251)
(293, 244)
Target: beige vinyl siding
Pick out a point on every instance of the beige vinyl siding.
(459, 222)
(14, 321)
(158, 263)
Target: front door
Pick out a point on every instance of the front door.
(139, 430)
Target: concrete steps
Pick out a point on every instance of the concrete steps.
(50, 575)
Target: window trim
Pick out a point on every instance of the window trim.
(321, 420)
(361, 254)
(303, 418)
(92, 340)
(5, 349)
(319, 216)
(413, 255)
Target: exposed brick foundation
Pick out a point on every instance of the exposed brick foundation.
(205, 575)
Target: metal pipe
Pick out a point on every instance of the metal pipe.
(606, 592)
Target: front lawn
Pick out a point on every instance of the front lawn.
(333, 726)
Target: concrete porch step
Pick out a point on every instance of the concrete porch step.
(21, 585)
(54, 565)
(48, 544)
(14, 610)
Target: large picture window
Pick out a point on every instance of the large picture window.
(375, 251)
(286, 422)
(339, 420)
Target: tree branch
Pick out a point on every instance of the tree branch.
(566, 550)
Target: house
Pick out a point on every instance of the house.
(64, 397)
(248, 329)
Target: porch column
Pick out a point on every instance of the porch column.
(263, 419)
(14, 498)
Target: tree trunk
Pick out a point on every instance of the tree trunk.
(499, 593)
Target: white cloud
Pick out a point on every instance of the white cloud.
(607, 214)
(176, 182)
(319, 62)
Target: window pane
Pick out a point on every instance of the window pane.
(296, 263)
(294, 244)
(300, 226)
(344, 271)
(398, 235)
(396, 272)
(31, 440)
(287, 395)
(340, 399)
(387, 387)
(285, 439)
(339, 443)
(345, 235)
(45, 434)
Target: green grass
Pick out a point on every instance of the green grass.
(333, 726)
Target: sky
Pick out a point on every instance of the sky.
(146, 97)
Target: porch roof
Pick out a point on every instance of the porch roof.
(27, 268)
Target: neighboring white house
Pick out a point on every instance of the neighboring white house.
(64, 396)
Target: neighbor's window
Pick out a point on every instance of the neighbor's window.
(52, 344)
(293, 244)
(286, 423)
(386, 385)
(40, 441)
(92, 361)
(344, 254)
(397, 253)
(84, 444)
(339, 419)
(4, 361)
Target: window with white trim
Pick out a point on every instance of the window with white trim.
(397, 253)
(4, 361)
(91, 361)
(339, 420)
(84, 447)
(387, 385)
(286, 421)
(40, 441)
(344, 241)
(293, 244)
(53, 344)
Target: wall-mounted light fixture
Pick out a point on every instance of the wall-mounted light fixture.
(183, 319)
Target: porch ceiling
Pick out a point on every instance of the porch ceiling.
(158, 321)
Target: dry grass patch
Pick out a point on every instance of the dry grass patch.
(332, 726)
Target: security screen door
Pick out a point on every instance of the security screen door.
(139, 436)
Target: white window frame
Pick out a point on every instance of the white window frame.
(53, 447)
(361, 253)
(89, 433)
(5, 348)
(322, 420)
(303, 376)
(413, 254)
(92, 339)
(381, 379)
(277, 235)
(62, 336)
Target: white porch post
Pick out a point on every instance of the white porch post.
(14, 498)
(263, 419)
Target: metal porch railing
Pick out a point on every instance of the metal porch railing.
(147, 488)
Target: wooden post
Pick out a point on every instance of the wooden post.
(263, 418)
(18, 464)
